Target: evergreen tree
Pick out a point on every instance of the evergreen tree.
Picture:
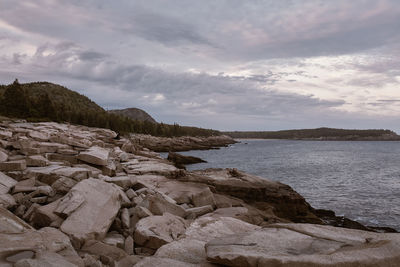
(14, 102)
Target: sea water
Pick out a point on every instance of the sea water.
(357, 179)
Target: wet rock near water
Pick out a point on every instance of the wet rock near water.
(184, 143)
(180, 160)
(77, 196)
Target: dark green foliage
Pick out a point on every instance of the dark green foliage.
(14, 101)
(43, 101)
(319, 133)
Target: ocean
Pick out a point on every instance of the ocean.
(357, 179)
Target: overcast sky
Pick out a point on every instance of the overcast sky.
(227, 65)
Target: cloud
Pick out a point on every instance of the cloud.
(214, 63)
(178, 92)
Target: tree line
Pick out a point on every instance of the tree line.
(36, 102)
(319, 133)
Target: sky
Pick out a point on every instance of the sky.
(221, 64)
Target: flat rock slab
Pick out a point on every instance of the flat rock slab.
(164, 262)
(6, 183)
(3, 156)
(195, 193)
(17, 165)
(158, 204)
(95, 155)
(149, 167)
(45, 259)
(191, 248)
(30, 241)
(37, 161)
(305, 245)
(11, 224)
(155, 231)
(93, 217)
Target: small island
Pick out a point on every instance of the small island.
(322, 134)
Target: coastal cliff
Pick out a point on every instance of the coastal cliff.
(79, 196)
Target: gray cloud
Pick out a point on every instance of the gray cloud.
(166, 91)
(165, 56)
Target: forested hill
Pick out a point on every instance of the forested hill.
(134, 114)
(43, 101)
(319, 134)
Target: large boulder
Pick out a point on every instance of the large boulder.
(155, 231)
(98, 248)
(19, 242)
(6, 183)
(11, 224)
(305, 245)
(149, 167)
(95, 155)
(190, 248)
(180, 160)
(159, 204)
(92, 218)
(261, 193)
(192, 193)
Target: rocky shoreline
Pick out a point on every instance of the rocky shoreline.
(78, 196)
(184, 143)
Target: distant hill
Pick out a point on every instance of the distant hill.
(44, 101)
(134, 114)
(319, 134)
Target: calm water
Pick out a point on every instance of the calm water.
(360, 180)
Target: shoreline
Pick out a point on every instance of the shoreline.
(114, 202)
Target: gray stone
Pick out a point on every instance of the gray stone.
(98, 248)
(36, 161)
(155, 231)
(149, 167)
(43, 174)
(129, 261)
(95, 155)
(114, 239)
(90, 261)
(43, 216)
(75, 173)
(123, 181)
(42, 241)
(5, 134)
(129, 245)
(11, 224)
(63, 185)
(45, 259)
(158, 204)
(3, 156)
(110, 169)
(7, 201)
(193, 213)
(69, 203)
(305, 245)
(191, 248)
(46, 147)
(125, 218)
(17, 165)
(94, 217)
(130, 193)
(163, 262)
(6, 183)
(39, 136)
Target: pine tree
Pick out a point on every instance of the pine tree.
(14, 102)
